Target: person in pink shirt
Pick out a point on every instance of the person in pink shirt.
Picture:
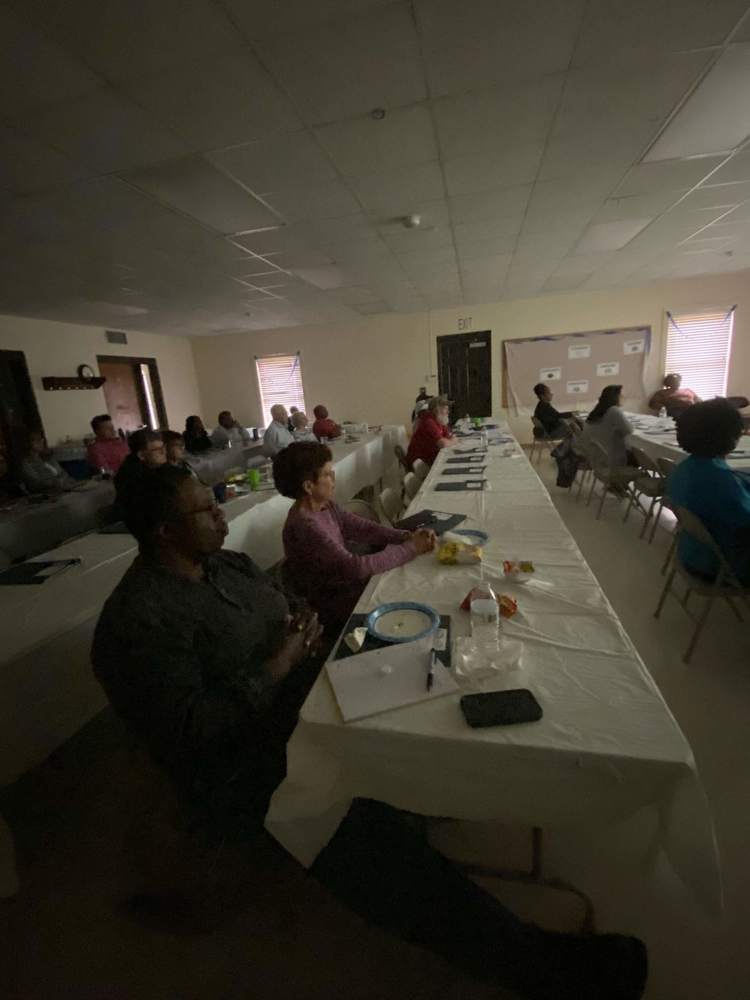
(108, 451)
(319, 566)
(324, 427)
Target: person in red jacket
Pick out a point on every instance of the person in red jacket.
(431, 433)
(324, 427)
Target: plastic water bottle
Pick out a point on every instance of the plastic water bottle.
(485, 618)
(662, 412)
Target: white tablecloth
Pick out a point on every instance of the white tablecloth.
(606, 747)
(658, 438)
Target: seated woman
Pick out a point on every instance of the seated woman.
(431, 433)
(324, 427)
(319, 565)
(608, 425)
(706, 485)
(40, 472)
(195, 436)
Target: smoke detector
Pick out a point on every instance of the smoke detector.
(413, 221)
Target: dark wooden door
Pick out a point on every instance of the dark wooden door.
(133, 393)
(465, 372)
(17, 401)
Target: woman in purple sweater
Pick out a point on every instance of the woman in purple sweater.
(319, 566)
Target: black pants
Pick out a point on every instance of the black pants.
(379, 864)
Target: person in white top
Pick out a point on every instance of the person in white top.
(277, 435)
(229, 434)
(301, 427)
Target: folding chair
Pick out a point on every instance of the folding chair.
(610, 479)
(401, 456)
(420, 469)
(541, 438)
(412, 484)
(584, 466)
(648, 482)
(725, 584)
(665, 466)
(390, 504)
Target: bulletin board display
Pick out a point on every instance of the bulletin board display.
(577, 366)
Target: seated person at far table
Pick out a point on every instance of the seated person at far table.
(277, 435)
(555, 423)
(174, 446)
(147, 452)
(207, 661)
(108, 451)
(40, 472)
(301, 430)
(432, 432)
(672, 397)
(708, 487)
(319, 566)
(229, 433)
(324, 427)
(195, 436)
(289, 423)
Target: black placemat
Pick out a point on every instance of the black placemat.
(360, 620)
(463, 472)
(116, 528)
(426, 519)
(460, 487)
(469, 460)
(28, 572)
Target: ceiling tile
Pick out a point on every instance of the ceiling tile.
(497, 118)
(638, 205)
(565, 282)
(604, 236)
(223, 101)
(735, 169)
(363, 146)
(27, 166)
(35, 72)
(497, 203)
(198, 189)
(645, 178)
(672, 25)
(263, 18)
(280, 161)
(540, 219)
(570, 155)
(397, 192)
(127, 39)
(481, 42)
(402, 240)
(338, 70)
(106, 132)
(320, 201)
(472, 174)
(490, 229)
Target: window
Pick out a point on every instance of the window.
(698, 348)
(280, 381)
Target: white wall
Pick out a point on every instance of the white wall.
(59, 348)
(372, 369)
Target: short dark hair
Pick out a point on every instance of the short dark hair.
(224, 413)
(320, 411)
(96, 422)
(139, 439)
(169, 436)
(296, 464)
(151, 500)
(709, 429)
(539, 389)
(607, 399)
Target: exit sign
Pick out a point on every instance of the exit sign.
(464, 323)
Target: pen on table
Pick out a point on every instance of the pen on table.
(431, 670)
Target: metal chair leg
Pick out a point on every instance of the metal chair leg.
(734, 608)
(601, 502)
(698, 629)
(686, 597)
(648, 517)
(656, 520)
(665, 591)
(631, 501)
(591, 491)
(672, 547)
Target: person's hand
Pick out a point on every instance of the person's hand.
(423, 540)
(301, 639)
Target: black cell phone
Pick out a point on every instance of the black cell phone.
(500, 708)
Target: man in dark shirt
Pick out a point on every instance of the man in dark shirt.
(552, 420)
(205, 658)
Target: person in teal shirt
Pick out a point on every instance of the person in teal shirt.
(709, 488)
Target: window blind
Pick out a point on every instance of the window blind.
(280, 381)
(698, 348)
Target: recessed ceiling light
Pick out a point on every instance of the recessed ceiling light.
(716, 116)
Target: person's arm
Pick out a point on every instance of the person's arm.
(331, 558)
(620, 423)
(334, 430)
(359, 529)
(244, 434)
(219, 438)
(657, 400)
